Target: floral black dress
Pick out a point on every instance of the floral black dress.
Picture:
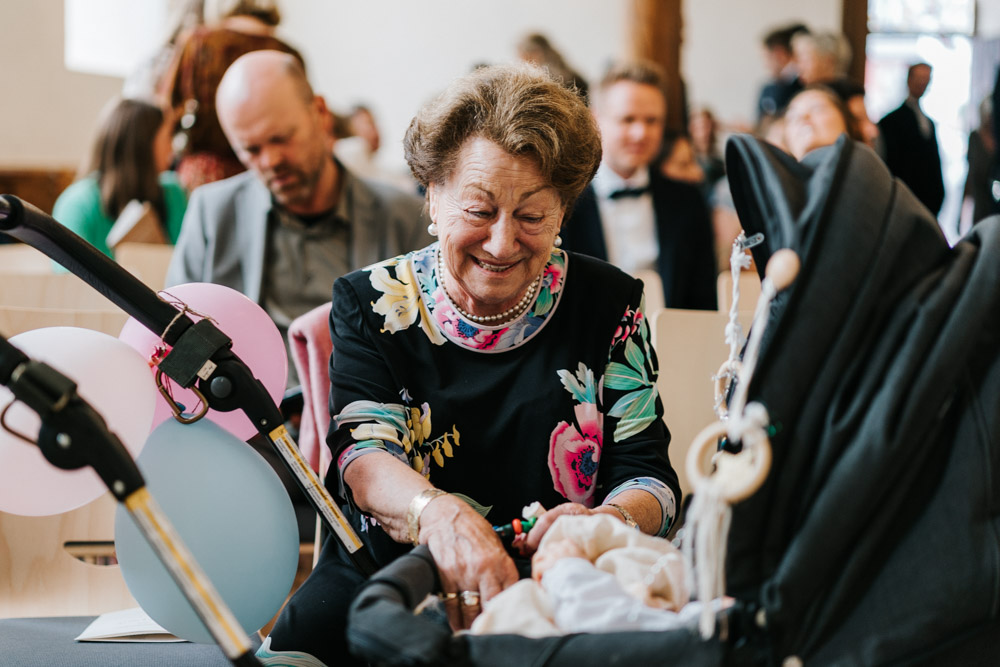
(558, 405)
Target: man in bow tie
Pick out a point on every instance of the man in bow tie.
(632, 216)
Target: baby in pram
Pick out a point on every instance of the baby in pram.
(594, 574)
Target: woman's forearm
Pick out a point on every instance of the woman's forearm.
(642, 506)
(383, 487)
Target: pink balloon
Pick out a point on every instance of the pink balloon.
(256, 340)
(110, 376)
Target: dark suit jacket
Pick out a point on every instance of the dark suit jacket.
(683, 228)
(775, 96)
(913, 158)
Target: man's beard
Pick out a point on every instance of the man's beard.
(299, 189)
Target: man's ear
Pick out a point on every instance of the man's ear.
(325, 117)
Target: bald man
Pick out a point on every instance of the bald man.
(283, 231)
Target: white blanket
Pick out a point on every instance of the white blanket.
(626, 580)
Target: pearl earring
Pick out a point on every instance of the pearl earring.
(432, 229)
(557, 241)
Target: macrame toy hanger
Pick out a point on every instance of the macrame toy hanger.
(721, 479)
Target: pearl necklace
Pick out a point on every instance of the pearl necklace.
(511, 313)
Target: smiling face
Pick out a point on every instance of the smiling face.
(812, 121)
(631, 117)
(497, 219)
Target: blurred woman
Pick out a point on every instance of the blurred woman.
(233, 27)
(816, 117)
(536, 49)
(703, 130)
(129, 161)
(679, 162)
(821, 57)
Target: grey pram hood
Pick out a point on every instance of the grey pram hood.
(875, 537)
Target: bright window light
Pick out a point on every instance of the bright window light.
(112, 37)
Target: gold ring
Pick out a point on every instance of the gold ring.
(448, 596)
(470, 598)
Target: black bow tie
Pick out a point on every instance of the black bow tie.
(628, 192)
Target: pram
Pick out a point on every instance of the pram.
(875, 538)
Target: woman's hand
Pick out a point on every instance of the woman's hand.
(527, 544)
(471, 561)
(641, 505)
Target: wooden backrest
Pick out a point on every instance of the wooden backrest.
(39, 577)
(146, 261)
(41, 187)
(22, 258)
(653, 287)
(749, 290)
(18, 319)
(50, 290)
(690, 346)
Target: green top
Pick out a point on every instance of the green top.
(79, 208)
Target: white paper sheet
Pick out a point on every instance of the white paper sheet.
(127, 625)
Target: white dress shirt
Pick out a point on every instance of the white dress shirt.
(629, 223)
(923, 122)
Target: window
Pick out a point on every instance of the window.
(937, 32)
(112, 37)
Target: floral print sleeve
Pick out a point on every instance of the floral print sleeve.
(367, 416)
(400, 431)
(633, 403)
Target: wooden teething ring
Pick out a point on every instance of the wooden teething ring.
(701, 458)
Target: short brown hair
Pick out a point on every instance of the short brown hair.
(521, 109)
(637, 71)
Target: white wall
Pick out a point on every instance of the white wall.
(722, 58)
(394, 55)
(48, 114)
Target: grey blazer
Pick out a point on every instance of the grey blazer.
(224, 234)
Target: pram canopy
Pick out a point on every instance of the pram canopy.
(875, 538)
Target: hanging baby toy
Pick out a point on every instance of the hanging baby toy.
(721, 479)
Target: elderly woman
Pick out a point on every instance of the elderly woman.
(814, 118)
(488, 370)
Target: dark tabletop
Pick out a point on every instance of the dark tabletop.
(47, 642)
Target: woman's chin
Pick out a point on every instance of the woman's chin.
(493, 302)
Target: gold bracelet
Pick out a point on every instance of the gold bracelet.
(629, 520)
(416, 508)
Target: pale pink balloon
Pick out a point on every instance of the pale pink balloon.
(256, 340)
(110, 376)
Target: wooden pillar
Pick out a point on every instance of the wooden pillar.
(655, 28)
(854, 24)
